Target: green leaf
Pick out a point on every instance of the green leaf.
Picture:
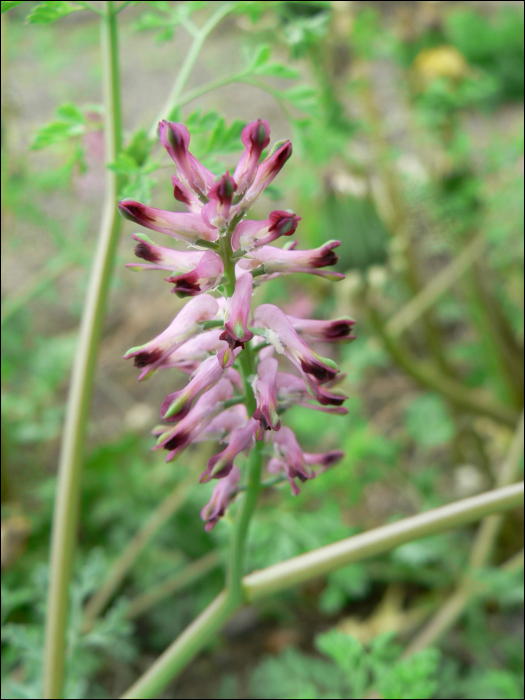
(47, 12)
(70, 124)
(259, 59)
(8, 5)
(124, 165)
(428, 422)
(303, 97)
(277, 70)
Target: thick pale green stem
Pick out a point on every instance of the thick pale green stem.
(307, 566)
(72, 451)
(382, 539)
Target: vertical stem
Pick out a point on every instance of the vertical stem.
(72, 450)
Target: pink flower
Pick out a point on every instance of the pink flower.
(184, 227)
(253, 234)
(217, 211)
(190, 354)
(221, 464)
(267, 171)
(334, 331)
(224, 423)
(177, 405)
(186, 324)
(186, 196)
(176, 439)
(223, 494)
(279, 331)
(290, 459)
(270, 260)
(176, 138)
(163, 258)
(255, 137)
(236, 331)
(206, 275)
(265, 387)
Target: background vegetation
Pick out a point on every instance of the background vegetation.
(407, 126)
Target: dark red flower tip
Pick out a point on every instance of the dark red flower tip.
(133, 211)
(147, 358)
(317, 370)
(145, 251)
(177, 441)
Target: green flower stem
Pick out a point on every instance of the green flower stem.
(475, 401)
(72, 450)
(189, 62)
(382, 539)
(183, 649)
(306, 566)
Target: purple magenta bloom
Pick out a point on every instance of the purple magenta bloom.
(267, 171)
(160, 257)
(222, 245)
(290, 459)
(221, 464)
(184, 227)
(190, 354)
(280, 261)
(217, 212)
(255, 137)
(206, 275)
(223, 494)
(334, 331)
(186, 324)
(176, 439)
(265, 387)
(280, 332)
(236, 331)
(176, 138)
(185, 195)
(178, 404)
(253, 234)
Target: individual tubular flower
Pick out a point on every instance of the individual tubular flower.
(184, 227)
(221, 464)
(279, 331)
(269, 260)
(224, 423)
(255, 137)
(265, 389)
(177, 405)
(190, 354)
(293, 390)
(176, 138)
(206, 275)
(176, 439)
(162, 258)
(236, 331)
(335, 331)
(223, 494)
(186, 324)
(290, 459)
(266, 172)
(186, 196)
(253, 234)
(217, 212)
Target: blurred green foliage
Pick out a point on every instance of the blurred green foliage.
(401, 441)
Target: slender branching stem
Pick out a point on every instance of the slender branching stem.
(189, 62)
(72, 449)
